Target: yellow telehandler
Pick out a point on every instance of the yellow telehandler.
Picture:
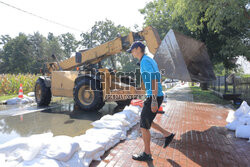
(178, 56)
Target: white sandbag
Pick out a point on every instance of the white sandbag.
(31, 94)
(109, 124)
(24, 148)
(244, 120)
(17, 100)
(86, 161)
(230, 116)
(13, 101)
(112, 143)
(103, 141)
(127, 115)
(9, 163)
(232, 125)
(130, 116)
(110, 133)
(2, 158)
(243, 131)
(75, 161)
(98, 155)
(91, 150)
(61, 148)
(115, 118)
(242, 110)
(40, 162)
(132, 109)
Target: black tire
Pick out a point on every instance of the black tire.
(95, 101)
(42, 93)
(129, 81)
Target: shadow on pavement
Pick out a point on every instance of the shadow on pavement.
(211, 147)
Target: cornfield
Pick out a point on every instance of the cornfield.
(10, 83)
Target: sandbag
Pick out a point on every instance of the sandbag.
(243, 131)
(109, 133)
(242, 110)
(232, 125)
(103, 141)
(40, 162)
(75, 161)
(91, 150)
(60, 148)
(115, 118)
(109, 124)
(16, 100)
(230, 116)
(24, 148)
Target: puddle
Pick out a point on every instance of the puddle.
(61, 118)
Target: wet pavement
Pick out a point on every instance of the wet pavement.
(201, 138)
(62, 117)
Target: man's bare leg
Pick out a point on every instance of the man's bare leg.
(159, 128)
(146, 139)
(168, 136)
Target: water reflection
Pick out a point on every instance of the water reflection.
(66, 119)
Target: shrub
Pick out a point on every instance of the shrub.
(10, 83)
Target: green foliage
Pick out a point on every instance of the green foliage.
(101, 32)
(206, 96)
(16, 55)
(6, 97)
(27, 53)
(54, 47)
(104, 31)
(39, 47)
(69, 43)
(10, 83)
(223, 25)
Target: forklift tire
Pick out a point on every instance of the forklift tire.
(42, 93)
(129, 81)
(88, 96)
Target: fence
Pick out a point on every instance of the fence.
(232, 84)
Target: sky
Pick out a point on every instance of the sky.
(244, 64)
(79, 14)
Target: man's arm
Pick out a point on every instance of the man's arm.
(154, 88)
(154, 104)
(148, 67)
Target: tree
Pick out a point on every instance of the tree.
(69, 43)
(54, 47)
(104, 31)
(223, 25)
(38, 50)
(16, 56)
(4, 39)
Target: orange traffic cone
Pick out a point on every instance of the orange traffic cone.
(160, 110)
(20, 94)
(21, 117)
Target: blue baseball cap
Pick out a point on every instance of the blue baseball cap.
(136, 44)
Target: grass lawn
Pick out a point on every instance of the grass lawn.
(6, 97)
(206, 96)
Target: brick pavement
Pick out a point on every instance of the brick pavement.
(201, 140)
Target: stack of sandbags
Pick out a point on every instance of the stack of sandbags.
(240, 121)
(37, 150)
(62, 151)
(24, 100)
(108, 131)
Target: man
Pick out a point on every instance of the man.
(151, 78)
